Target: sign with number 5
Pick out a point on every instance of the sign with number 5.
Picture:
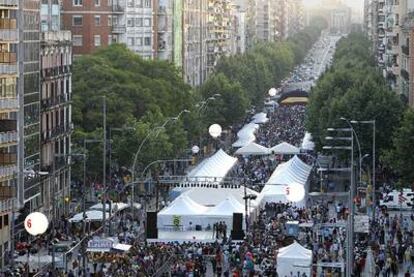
(36, 223)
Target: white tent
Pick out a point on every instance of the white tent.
(184, 209)
(213, 168)
(253, 149)
(294, 258)
(224, 212)
(273, 193)
(90, 216)
(246, 135)
(260, 118)
(307, 143)
(210, 197)
(115, 206)
(292, 171)
(240, 142)
(285, 149)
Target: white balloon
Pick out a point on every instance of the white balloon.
(215, 130)
(195, 149)
(295, 192)
(36, 223)
(272, 92)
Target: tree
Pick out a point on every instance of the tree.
(231, 106)
(400, 157)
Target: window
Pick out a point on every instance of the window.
(138, 3)
(130, 3)
(109, 39)
(138, 22)
(147, 41)
(97, 20)
(109, 20)
(97, 3)
(138, 41)
(130, 22)
(97, 40)
(147, 22)
(77, 20)
(77, 2)
(6, 220)
(147, 3)
(77, 40)
(130, 41)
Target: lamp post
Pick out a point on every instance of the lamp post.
(203, 103)
(156, 131)
(373, 122)
(350, 236)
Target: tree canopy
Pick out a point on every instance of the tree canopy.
(354, 89)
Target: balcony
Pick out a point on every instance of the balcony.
(8, 125)
(9, 2)
(52, 102)
(6, 171)
(405, 50)
(8, 137)
(8, 159)
(6, 192)
(8, 57)
(118, 29)
(117, 9)
(56, 132)
(8, 23)
(9, 104)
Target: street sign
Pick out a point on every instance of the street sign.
(100, 243)
(361, 224)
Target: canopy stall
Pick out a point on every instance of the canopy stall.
(116, 206)
(294, 258)
(253, 149)
(181, 212)
(284, 148)
(260, 118)
(294, 171)
(224, 212)
(90, 216)
(214, 168)
(307, 143)
(246, 135)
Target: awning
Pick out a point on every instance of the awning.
(284, 148)
(253, 149)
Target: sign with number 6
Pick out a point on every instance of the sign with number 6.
(36, 223)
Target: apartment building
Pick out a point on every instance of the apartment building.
(55, 113)
(407, 58)
(91, 23)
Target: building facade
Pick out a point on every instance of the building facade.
(56, 124)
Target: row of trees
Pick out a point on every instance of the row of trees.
(354, 88)
(141, 94)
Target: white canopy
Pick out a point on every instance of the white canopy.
(246, 135)
(211, 196)
(184, 209)
(213, 168)
(273, 194)
(307, 143)
(119, 206)
(260, 118)
(226, 207)
(122, 247)
(292, 171)
(284, 148)
(90, 215)
(253, 149)
(294, 258)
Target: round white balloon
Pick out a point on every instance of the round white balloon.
(36, 223)
(272, 92)
(295, 193)
(195, 149)
(215, 130)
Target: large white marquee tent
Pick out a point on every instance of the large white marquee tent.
(294, 258)
(284, 148)
(253, 149)
(246, 135)
(260, 118)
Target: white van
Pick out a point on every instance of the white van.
(391, 200)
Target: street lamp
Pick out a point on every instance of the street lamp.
(373, 122)
(155, 131)
(350, 236)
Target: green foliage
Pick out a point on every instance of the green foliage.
(354, 89)
(400, 156)
(267, 64)
(139, 94)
